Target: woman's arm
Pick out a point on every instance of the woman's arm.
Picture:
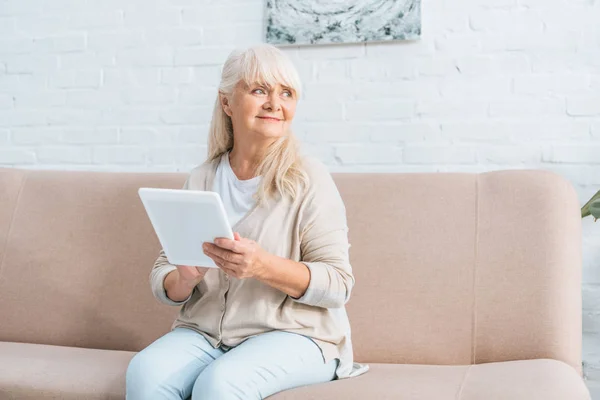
(244, 258)
(289, 276)
(158, 282)
(323, 277)
(180, 283)
(324, 245)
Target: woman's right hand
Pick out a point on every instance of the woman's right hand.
(191, 276)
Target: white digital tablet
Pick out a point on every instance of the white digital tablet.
(183, 220)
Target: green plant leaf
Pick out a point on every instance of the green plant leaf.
(595, 208)
(585, 210)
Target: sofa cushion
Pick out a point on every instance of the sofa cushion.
(33, 371)
(541, 379)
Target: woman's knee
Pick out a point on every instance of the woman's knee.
(143, 380)
(218, 381)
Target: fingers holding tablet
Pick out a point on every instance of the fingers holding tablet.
(189, 275)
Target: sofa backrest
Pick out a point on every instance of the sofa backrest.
(451, 268)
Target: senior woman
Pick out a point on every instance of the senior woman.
(272, 316)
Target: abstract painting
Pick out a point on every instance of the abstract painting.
(341, 21)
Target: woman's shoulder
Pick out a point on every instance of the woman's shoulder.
(322, 191)
(314, 168)
(319, 176)
(198, 175)
(203, 168)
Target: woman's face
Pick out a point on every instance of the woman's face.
(260, 111)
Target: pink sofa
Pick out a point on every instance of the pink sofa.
(468, 286)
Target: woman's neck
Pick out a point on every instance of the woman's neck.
(244, 163)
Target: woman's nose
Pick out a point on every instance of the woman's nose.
(273, 103)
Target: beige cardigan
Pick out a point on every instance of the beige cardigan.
(311, 229)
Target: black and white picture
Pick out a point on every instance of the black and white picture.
(341, 21)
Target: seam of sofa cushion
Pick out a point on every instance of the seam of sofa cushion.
(462, 383)
(12, 218)
(474, 289)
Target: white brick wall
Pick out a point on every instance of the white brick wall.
(114, 85)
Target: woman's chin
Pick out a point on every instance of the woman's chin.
(270, 134)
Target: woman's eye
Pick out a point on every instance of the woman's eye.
(288, 93)
(259, 90)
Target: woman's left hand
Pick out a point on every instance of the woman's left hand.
(240, 258)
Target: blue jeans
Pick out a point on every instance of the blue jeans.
(183, 363)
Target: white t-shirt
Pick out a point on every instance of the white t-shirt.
(235, 193)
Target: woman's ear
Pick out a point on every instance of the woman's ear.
(225, 103)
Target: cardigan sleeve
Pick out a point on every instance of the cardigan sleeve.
(159, 272)
(157, 277)
(324, 245)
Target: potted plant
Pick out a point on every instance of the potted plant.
(592, 207)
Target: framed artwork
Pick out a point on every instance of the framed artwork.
(300, 22)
